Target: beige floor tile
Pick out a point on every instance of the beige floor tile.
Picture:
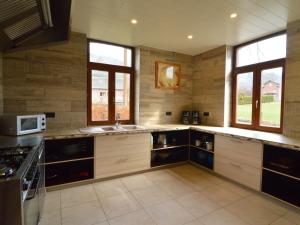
(50, 218)
(253, 212)
(236, 188)
(89, 213)
(176, 188)
(77, 195)
(213, 179)
(109, 188)
(198, 204)
(139, 217)
(283, 221)
(52, 201)
(293, 216)
(151, 195)
(160, 176)
(169, 213)
(136, 182)
(102, 223)
(221, 217)
(221, 195)
(119, 205)
(195, 222)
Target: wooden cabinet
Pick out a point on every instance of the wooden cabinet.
(239, 160)
(121, 154)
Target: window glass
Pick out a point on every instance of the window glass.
(244, 98)
(122, 95)
(110, 54)
(262, 51)
(99, 95)
(271, 92)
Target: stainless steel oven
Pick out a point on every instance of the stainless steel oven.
(35, 193)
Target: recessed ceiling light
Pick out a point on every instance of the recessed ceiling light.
(233, 15)
(190, 36)
(134, 21)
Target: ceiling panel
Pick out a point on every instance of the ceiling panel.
(165, 24)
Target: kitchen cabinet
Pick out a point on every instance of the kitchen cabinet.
(121, 154)
(281, 173)
(69, 160)
(169, 147)
(202, 148)
(239, 160)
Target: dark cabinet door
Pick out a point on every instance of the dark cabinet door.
(169, 156)
(66, 172)
(282, 187)
(68, 149)
(201, 157)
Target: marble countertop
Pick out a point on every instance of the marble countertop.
(258, 136)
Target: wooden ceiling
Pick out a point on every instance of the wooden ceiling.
(165, 24)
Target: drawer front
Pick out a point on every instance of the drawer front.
(101, 142)
(240, 151)
(241, 173)
(117, 165)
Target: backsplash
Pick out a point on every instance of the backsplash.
(51, 79)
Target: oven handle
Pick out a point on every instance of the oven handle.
(35, 184)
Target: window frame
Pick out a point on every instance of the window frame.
(111, 69)
(256, 69)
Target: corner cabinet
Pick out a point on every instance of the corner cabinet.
(239, 160)
(121, 154)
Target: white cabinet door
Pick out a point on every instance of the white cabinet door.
(121, 154)
(239, 160)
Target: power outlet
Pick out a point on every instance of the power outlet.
(168, 113)
(206, 114)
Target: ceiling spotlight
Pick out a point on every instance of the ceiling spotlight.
(190, 36)
(233, 15)
(134, 21)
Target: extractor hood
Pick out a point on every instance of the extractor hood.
(33, 23)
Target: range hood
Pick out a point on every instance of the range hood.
(33, 23)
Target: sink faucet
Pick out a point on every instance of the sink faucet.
(118, 123)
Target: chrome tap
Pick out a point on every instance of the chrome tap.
(118, 123)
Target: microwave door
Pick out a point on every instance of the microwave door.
(28, 124)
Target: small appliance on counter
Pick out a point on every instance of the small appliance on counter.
(195, 117)
(12, 124)
(185, 117)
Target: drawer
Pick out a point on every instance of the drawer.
(241, 173)
(121, 140)
(111, 166)
(240, 151)
(116, 150)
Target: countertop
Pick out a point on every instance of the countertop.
(257, 136)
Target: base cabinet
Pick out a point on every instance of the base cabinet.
(121, 154)
(239, 160)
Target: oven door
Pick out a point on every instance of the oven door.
(31, 203)
(28, 124)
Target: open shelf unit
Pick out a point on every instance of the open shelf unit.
(169, 147)
(281, 173)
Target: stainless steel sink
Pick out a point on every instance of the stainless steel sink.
(132, 127)
(101, 129)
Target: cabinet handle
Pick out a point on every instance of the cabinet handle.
(236, 141)
(236, 165)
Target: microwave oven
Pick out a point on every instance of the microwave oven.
(22, 124)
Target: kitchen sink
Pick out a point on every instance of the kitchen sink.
(100, 129)
(132, 127)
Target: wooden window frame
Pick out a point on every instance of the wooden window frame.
(256, 69)
(111, 69)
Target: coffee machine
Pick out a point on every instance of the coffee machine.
(185, 117)
(195, 117)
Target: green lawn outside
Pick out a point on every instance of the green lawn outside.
(270, 113)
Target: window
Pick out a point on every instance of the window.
(110, 83)
(258, 83)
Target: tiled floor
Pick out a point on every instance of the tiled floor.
(183, 195)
